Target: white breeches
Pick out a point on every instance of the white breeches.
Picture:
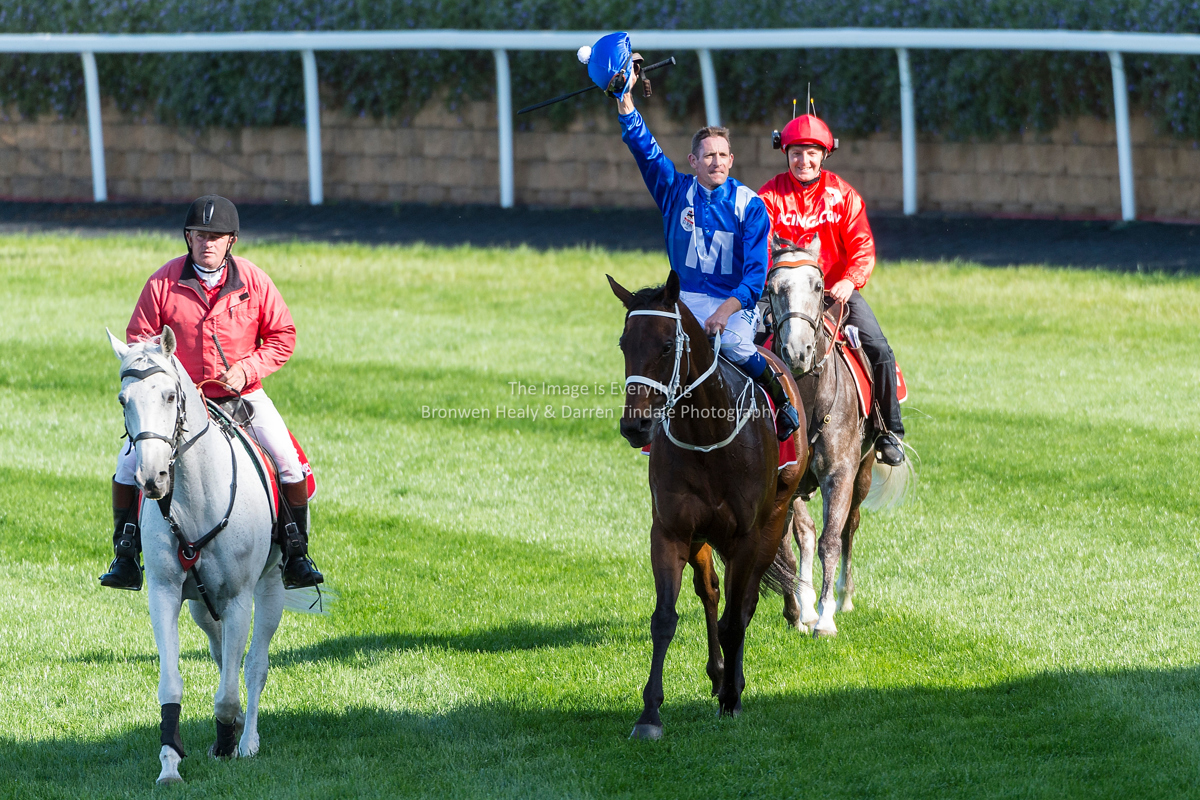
(737, 342)
(268, 427)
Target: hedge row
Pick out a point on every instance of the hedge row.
(958, 94)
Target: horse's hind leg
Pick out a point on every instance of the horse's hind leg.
(791, 602)
(708, 589)
(836, 492)
(164, 602)
(210, 626)
(805, 532)
(227, 704)
(268, 609)
(845, 584)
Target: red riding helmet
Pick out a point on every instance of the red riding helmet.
(805, 129)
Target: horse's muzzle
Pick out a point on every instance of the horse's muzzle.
(637, 431)
(156, 487)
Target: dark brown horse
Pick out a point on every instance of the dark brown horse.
(840, 440)
(714, 483)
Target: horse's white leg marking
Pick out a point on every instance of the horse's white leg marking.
(845, 599)
(170, 766)
(268, 610)
(235, 621)
(806, 539)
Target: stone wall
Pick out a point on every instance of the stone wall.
(441, 156)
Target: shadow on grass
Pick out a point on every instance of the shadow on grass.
(505, 638)
(1049, 735)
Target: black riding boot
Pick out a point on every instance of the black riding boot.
(298, 570)
(786, 418)
(887, 447)
(124, 572)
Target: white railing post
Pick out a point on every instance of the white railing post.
(708, 77)
(91, 88)
(312, 128)
(1124, 146)
(908, 133)
(504, 125)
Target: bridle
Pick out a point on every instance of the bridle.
(189, 551)
(674, 393)
(814, 323)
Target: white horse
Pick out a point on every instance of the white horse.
(187, 460)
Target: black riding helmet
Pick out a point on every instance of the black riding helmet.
(214, 214)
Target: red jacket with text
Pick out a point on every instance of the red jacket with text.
(247, 314)
(830, 208)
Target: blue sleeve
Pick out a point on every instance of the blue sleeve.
(657, 170)
(755, 229)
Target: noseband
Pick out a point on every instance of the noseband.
(672, 390)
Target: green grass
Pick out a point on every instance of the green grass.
(1025, 625)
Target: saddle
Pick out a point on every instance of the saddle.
(235, 417)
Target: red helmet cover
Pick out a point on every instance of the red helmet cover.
(807, 129)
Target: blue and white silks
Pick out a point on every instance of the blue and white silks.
(716, 241)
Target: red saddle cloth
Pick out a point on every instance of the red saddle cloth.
(787, 448)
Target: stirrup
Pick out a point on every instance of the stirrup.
(123, 573)
(888, 450)
(787, 421)
(300, 573)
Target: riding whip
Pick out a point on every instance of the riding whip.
(670, 62)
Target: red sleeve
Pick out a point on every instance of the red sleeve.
(276, 334)
(857, 239)
(147, 314)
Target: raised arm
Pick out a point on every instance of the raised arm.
(657, 170)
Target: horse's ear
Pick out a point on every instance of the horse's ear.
(623, 294)
(671, 289)
(168, 341)
(119, 347)
(814, 247)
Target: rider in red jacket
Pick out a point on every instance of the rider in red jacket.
(232, 329)
(807, 200)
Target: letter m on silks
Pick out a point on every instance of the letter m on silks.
(722, 245)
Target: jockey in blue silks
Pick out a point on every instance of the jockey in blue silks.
(716, 228)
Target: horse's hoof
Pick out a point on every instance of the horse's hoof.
(247, 749)
(212, 753)
(646, 731)
(846, 606)
(170, 766)
(818, 633)
(736, 711)
(803, 629)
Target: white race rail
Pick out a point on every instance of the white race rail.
(703, 42)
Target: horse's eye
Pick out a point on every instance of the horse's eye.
(171, 397)
(121, 399)
(667, 348)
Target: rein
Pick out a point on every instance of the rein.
(189, 551)
(672, 390)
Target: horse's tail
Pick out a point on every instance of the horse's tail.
(889, 486)
(309, 600)
(780, 577)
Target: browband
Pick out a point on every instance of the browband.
(142, 374)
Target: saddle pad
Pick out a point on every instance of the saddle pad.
(787, 448)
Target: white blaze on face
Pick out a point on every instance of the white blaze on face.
(796, 290)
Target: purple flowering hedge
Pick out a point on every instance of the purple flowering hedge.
(959, 94)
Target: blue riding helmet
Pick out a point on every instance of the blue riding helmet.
(612, 57)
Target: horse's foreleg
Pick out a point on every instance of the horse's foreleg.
(805, 532)
(268, 609)
(836, 492)
(227, 703)
(667, 558)
(708, 589)
(845, 585)
(165, 601)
